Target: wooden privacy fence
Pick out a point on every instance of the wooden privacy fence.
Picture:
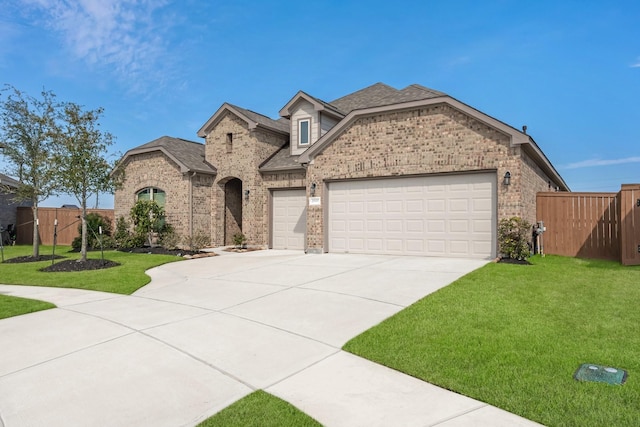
(68, 221)
(592, 225)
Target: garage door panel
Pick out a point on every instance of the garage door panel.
(415, 205)
(481, 226)
(375, 225)
(289, 219)
(459, 205)
(459, 226)
(459, 247)
(394, 226)
(375, 207)
(446, 215)
(415, 226)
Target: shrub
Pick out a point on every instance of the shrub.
(239, 239)
(513, 234)
(148, 218)
(122, 235)
(168, 238)
(94, 223)
(197, 242)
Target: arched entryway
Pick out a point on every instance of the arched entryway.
(232, 209)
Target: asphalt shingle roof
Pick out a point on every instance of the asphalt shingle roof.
(189, 153)
(381, 94)
(8, 181)
(282, 124)
(282, 160)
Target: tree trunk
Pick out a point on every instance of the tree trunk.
(36, 237)
(83, 246)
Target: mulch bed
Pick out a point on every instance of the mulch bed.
(514, 261)
(75, 265)
(29, 258)
(242, 249)
(161, 251)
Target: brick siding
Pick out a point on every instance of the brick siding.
(154, 169)
(249, 149)
(434, 139)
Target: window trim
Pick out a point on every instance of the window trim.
(308, 121)
(152, 191)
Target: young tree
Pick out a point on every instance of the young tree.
(27, 134)
(81, 152)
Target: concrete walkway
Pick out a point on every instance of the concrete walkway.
(205, 333)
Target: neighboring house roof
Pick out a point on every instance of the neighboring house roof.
(6, 180)
(281, 160)
(426, 97)
(253, 119)
(188, 155)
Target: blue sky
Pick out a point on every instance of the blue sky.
(569, 70)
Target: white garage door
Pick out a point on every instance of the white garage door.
(444, 215)
(289, 219)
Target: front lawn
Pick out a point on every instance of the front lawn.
(15, 306)
(123, 279)
(260, 409)
(513, 336)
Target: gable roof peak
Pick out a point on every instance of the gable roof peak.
(252, 119)
(318, 105)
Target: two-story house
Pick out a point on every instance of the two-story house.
(380, 171)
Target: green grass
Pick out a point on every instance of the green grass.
(15, 306)
(260, 409)
(123, 279)
(513, 335)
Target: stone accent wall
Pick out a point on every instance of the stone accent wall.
(433, 139)
(249, 149)
(154, 169)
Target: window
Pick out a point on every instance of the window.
(154, 194)
(229, 142)
(304, 132)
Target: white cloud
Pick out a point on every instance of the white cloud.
(636, 64)
(123, 36)
(599, 162)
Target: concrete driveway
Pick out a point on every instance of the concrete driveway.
(204, 333)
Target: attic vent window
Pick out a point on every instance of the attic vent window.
(304, 134)
(229, 142)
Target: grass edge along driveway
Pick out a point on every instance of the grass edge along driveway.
(513, 335)
(126, 278)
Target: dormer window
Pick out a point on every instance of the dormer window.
(304, 131)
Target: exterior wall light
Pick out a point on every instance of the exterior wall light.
(246, 194)
(507, 178)
(313, 189)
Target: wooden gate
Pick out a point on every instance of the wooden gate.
(630, 224)
(592, 225)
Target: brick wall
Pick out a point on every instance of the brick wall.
(534, 180)
(249, 149)
(154, 169)
(433, 139)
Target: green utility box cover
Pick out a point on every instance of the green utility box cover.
(601, 374)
